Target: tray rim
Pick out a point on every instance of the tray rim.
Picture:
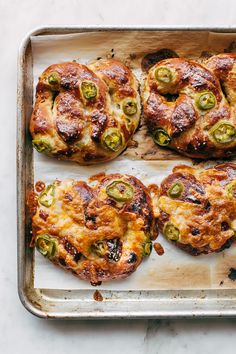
(26, 295)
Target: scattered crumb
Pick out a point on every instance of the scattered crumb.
(232, 274)
(132, 144)
(97, 296)
(132, 56)
(96, 284)
(221, 283)
(159, 249)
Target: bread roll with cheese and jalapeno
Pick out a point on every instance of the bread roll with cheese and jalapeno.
(197, 208)
(186, 110)
(98, 232)
(85, 113)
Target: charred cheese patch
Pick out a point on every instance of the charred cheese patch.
(201, 217)
(98, 232)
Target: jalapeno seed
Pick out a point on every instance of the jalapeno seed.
(206, 100)
(223, 132)
(46, 245)
(89, 90)
(231, 189)
(163, 75)
(47, 196)
(161, 137)
(120, 191)
(129, 107)
(112, 139)
(100, 248)
(175, 190)
(147, 249)
(54, 79)
(41, 144)
(171, 231)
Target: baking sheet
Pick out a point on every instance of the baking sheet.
(175, 269)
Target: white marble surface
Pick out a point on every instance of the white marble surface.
(20, 332)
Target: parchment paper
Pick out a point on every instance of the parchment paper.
(175, 269)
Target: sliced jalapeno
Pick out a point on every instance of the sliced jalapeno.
(231, 189)
(175, 190)
(47, 196)
(171, 231)
(129, 106)
(112, 139)
(89, 90)
(223, 132)
(147, 249)
(100, 248)
(46, 245)
(161, 137)
(163, 75)
(42, 144)
(206, 100)
(120, 191)
(54, 79)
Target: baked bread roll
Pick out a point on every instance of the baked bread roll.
(197, 208)
(98, 232)
(186, 110)
(85, 113)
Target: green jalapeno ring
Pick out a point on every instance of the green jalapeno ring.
(171, 231)
(54, 79)
(231, 189)
(100, 248)
(120, 191)
(129, 106)
(41, 144)
(205, 100)
(112, 139)
(161, 137)
(175, 190)
(163, 74)
(47, 196)
(223, 132)
(46, 245)
(147, 248)
(89, 90)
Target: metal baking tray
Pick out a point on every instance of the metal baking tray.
(80, 304)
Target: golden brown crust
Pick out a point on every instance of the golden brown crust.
(82, 217)
(71, 125)
(204, 212)
(173, 105)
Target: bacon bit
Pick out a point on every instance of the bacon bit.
(97, 177)
(96, 283)
(97, 296)
(153, 188)
(32, 203)
(43, 215)
(159, 249)
(132, 144)
(39, 186)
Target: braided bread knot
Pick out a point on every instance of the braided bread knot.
(85, 113)
(188, 110)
